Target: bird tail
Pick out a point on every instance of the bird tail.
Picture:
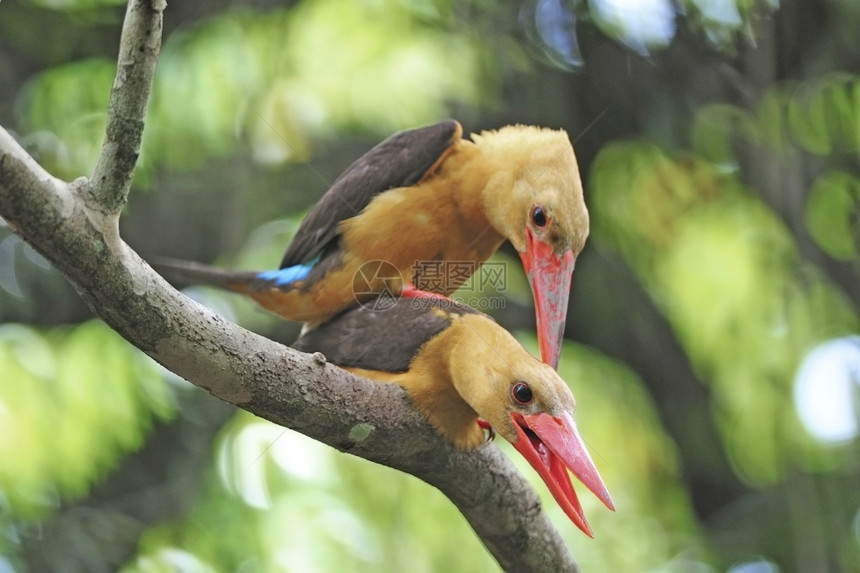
(186, 273)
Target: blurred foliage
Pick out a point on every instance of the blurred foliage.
(73, 401)
(270, 81)
(645, 27)
(726, 274)
(719, 144)
(820, 116)
(66, 116)
(292, 504)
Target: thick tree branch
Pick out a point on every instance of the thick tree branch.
(74, 226)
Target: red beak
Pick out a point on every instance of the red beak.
(549, 276)
(552, 445)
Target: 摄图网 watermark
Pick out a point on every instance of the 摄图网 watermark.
(376, 284)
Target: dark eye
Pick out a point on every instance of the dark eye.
(521, 393)
(538, 216)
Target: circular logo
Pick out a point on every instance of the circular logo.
(375, 283)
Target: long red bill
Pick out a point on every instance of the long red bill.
(549, 275)
(552, 445)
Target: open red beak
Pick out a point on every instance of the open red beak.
(549, 276)
(552, 445)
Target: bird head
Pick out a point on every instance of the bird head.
(534, 198)
(527, 403)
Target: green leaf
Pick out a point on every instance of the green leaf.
(833, 214)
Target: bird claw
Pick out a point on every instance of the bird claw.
(491, 433)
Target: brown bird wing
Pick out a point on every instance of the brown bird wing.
(377, 339)
(400, 161)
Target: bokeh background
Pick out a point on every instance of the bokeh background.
(712, 337)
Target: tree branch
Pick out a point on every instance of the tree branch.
(74, 225)
(138, 55)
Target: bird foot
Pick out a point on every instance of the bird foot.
(490, 432)
(410, 291)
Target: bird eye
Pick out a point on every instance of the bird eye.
(521, 393)
(538, 216)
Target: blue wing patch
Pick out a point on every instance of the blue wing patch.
(286, 276)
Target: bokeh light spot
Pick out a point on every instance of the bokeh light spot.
(642, 25)
(761, 566)
(825, 388)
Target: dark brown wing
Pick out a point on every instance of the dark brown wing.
(401, 160)
(382, 338)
